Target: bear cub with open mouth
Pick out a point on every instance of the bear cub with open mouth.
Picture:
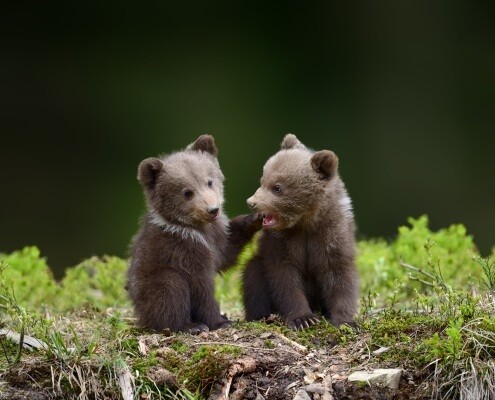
(304, 263)
(183, 240)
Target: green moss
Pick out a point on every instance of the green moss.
(143, 364)
(322, 334)
(172, 361)
(259, 326)
(179, 346)
(205, 365)
(130, 344)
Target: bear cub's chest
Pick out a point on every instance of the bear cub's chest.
(306, 252)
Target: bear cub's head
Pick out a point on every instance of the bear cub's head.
(184, 188)
(294, 184)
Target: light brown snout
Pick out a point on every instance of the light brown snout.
(252, 201)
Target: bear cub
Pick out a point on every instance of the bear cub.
(183, 240)
(304, 263)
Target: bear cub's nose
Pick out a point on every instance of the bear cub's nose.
(251, 203)
(213, 210)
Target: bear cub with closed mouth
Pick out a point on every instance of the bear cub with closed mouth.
(183, 241)
(304, 263)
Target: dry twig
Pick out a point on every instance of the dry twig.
(241, 366)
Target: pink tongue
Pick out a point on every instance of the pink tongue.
(269, 220)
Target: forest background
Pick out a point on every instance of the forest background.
(401, 91)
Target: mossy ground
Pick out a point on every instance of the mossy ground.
(435, 321)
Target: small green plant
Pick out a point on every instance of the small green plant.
(28, 274)
(20, 320)
(448, 348)
(488, 268)
(98, 282)
(381, 264)
(183, 394)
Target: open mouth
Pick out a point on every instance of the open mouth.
(269, 220)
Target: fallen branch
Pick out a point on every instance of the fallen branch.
(295, 345)
(241, 366)
(28, 342)
(126, 383)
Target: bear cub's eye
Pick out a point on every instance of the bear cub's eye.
(188, 194)
(277, 189)
(210, 183)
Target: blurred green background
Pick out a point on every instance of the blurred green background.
(403, 92)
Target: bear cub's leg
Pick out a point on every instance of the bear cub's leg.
(256, 297)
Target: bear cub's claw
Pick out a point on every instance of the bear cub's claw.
(299, 324)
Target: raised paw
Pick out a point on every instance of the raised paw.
(298, 324)
(255, 221)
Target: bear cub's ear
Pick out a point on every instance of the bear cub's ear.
(204, 143)
(325, 163)
(291, 142)
(148, 172)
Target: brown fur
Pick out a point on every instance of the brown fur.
(305, 260)
(184, 239)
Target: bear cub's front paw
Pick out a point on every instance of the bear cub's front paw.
(225, 324)
(195, 328)
(298, 324)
